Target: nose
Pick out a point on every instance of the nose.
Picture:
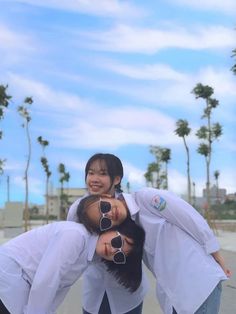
(111, 250)
(95, 178)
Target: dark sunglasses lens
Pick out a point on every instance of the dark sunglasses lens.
(105, 223)
(119, 258)
(105, 207)
(116, 242)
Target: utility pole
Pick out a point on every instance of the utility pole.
(8, 188)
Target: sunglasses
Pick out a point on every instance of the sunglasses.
(117, 243)
(105, 222)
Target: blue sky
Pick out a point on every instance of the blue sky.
(115, 76)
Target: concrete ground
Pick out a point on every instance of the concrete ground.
(72, 303)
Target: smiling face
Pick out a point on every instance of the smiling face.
(98, 180)
(112, 246)
(107, 212)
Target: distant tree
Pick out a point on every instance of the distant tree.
(4, 102)
(152, 175)
(44, 162)
(184, 130)
(165, 156)
(128, 187)
(64, 177)
(216, 175)
(194, 194)
(234, 66)
(209, 132)
(162, 155)
(24, 113)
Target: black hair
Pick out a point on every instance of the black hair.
(113, 164)
(129, 274)
(82, 215)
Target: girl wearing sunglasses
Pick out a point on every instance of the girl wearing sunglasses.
(180, 248)
(103, 175)
(37, 268)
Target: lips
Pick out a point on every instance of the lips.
(116, 214)
(95, 188)
(105, 250)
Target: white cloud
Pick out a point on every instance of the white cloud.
(115, 127)
(15, 46)
(134, 176)
(143, 72)
(227, 6)
(45, 98)
(110, 8)
(35, 185)
(124, 38)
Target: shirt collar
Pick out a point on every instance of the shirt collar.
(131, 204)
(92, 246)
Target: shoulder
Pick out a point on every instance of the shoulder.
(67, 228)
(72, 211)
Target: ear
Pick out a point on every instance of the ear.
(117, 180)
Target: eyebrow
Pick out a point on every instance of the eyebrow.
(130, 243)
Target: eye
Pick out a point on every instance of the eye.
(103, 173)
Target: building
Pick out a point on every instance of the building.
(218, 196)
(54, 199)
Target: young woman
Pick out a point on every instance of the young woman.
(103, 175)
(180, 249)
(38, 267)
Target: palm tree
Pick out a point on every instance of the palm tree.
(234, 66)
(160, 179)
(64, 177)
(152, 174)
(48, 173)
(24, 113)
(183, 130)
(216, 175)
(165, 157)
(4, 102)
(209, 132)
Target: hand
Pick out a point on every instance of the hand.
(220, 260)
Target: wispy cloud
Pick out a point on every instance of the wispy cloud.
(150, 72)
(15, 46)
(125, 38)
(227, 6)
(112, 8)
(45, 97)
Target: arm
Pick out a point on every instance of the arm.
(220, 260)
(166, 205)
(59, 260)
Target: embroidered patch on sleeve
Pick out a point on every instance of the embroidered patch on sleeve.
(158, 202)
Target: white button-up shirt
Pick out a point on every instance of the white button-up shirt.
(97, 280)
(178, 249)
(38, 267)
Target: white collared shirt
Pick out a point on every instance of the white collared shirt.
(97, 280)
(51, 258)
(178, 249)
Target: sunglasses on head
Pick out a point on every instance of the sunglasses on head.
(105, 222)
(117, 243)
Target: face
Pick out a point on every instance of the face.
(98, 180)
(107, 213)
(114, 246)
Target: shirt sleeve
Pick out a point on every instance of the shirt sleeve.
(61, 255)
(175, 210)
(72, 212)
